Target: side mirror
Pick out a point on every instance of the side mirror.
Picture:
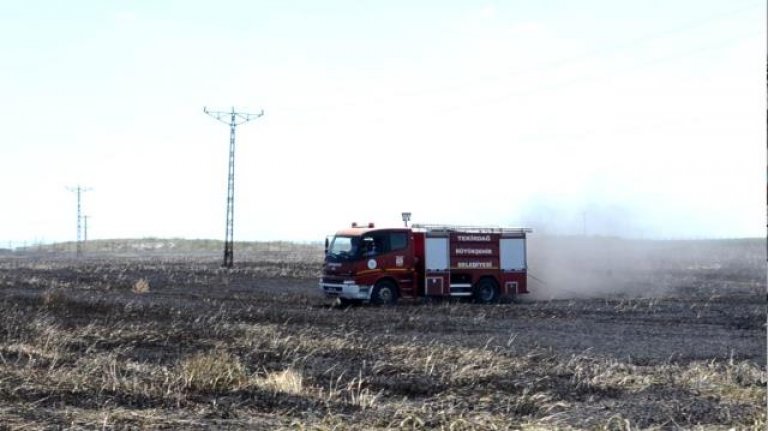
(326, 245)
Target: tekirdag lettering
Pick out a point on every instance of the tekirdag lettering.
(473, 238)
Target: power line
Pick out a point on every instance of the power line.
(79, 190)
(232, 119)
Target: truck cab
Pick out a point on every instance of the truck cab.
(377, 265)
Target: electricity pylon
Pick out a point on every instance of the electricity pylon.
(79, 190)
(85, 232)
(233, 119)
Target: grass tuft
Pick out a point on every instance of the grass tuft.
(213, 372)
(141, 286)
(288, 381)
(54, 297)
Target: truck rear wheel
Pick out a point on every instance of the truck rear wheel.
(384, 293)
(486, 291)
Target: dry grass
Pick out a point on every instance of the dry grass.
(288, 381)
(207, 348)
(213, 372)
(141, 286)
(53, 297)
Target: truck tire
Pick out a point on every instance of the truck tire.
(486, 291)
(384, 293)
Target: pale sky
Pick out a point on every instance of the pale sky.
(640, 119)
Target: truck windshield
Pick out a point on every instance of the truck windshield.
(343, 248)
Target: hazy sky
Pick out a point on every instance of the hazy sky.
(642, 118)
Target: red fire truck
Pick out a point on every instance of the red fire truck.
(381, 265)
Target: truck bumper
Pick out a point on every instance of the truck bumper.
(346, 290)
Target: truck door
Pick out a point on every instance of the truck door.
(402, 263)
(389, 252)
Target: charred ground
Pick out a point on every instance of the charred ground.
(652, 335)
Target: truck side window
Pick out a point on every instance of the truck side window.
(375, 243)
(398, 240)
(368, 246)
(380, 242)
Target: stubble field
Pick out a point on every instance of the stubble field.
(615, 335)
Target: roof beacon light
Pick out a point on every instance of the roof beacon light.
(371, 224)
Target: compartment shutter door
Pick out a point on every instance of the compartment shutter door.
(436, 254)
(512, 254)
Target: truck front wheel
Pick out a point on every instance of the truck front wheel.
(384, 293)
(486, 291)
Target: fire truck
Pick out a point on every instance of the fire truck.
(382, 265)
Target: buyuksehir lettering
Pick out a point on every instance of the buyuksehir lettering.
(474, 251)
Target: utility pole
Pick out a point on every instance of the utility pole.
(232, 119)
(85, 231)
(79, 190)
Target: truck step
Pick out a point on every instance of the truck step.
(461, 289)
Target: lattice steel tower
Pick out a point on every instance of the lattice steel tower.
(79, 190)
(233, 119)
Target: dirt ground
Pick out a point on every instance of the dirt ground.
(663, 336)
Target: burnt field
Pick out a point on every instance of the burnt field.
(615, 335)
